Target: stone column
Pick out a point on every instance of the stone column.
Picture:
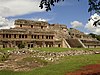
(43, 44)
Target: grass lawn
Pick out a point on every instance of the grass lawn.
(67, 64)
(59, 49)
(6, 49)
(51, 49)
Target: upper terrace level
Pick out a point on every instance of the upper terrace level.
(80, 35)
(21, 23)
(30, 24)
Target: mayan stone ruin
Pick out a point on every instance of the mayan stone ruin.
(42, 34)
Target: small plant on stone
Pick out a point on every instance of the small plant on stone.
(4, 57)
(22, 45)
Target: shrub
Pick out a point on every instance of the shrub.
(4, 57)
(21, 45)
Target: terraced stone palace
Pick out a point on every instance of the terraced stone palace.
(42, 34)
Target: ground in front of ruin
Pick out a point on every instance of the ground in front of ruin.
(45, 62)
(93, 69)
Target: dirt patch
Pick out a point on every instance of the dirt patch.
(87, 70)
(22, 61)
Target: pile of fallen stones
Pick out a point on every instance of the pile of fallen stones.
(18, 55)
(51, 56)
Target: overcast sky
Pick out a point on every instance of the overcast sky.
(72, 13)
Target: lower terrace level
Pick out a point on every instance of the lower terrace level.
(30, 44)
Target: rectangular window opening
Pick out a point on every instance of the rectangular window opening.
(20, 25)
(31, 26)
(14, 35)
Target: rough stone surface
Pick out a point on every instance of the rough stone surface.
(15, 60)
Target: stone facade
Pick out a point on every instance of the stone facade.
(39, 34)
(86, 40)
(32, 34)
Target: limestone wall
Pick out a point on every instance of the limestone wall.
(37, 31)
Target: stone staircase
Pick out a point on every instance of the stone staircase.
(74, 43)
(65, 44)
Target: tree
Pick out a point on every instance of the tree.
(95, 36)
(94, 7)
(21, 45)
(48, 3)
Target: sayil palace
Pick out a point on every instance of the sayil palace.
(42, 34)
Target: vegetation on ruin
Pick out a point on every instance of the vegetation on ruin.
(95, 36)
(22, 45)
(3, 53)
(3, 57)
(67, 64)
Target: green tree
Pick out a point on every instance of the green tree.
(94, 5)
(48, 3)
(95, 36)
(21, 45)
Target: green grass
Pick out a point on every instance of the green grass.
(59, 49)
(67, 64)
(4, 55)
(6, 49)
(51, 49)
